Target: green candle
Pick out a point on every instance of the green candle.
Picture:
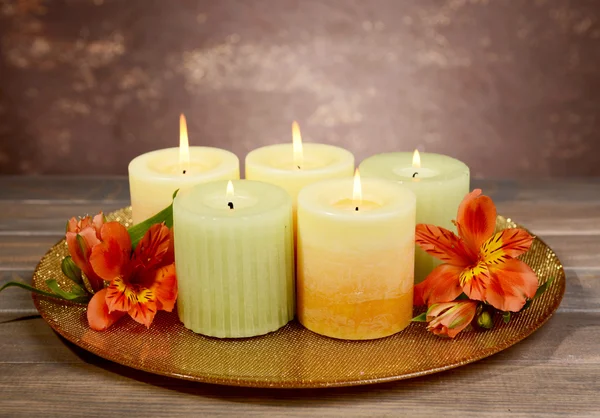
(234, 257)
(439, 182)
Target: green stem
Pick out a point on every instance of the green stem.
(81, 301)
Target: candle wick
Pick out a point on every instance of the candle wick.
(356, 209)
(230, 204)
(298, 167)
(414, 175)
(184, 171)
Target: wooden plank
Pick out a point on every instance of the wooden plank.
(14, 302)
(543, 191)
(51, 189)
(554, 218)
(535, 204)
(491, 388)
(582, 252)
(24, 252)
(107, 188)
(29, 219)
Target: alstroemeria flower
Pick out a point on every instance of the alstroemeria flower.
(478, 262)
(82, 235)
(142, 281)
(450, 318)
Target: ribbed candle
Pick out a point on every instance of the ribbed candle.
(235, 267)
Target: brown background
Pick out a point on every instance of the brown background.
(511, 87)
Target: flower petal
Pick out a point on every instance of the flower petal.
(475, 281)
(441, 285)
(511, 284)
(144, 309)
(97, 222)
(72, 225)
(476, 220)
(110, 258)
(153, 247)
(120, 296)
(98, 315)
(443, 244)
(508, 243)
(165, 287)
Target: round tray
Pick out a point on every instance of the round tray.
(291, 357)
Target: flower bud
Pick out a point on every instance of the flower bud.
(485, 320)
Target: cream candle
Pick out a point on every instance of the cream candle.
(293, 166)
(234, 256)
(154, 176)
(439, 182)
(355, 258)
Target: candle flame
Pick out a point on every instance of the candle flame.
(416, 162)
(229, 191)
(184, 145)
(357, 190)
(297, 145)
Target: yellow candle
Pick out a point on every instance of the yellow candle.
(439, 182)
(154, 176)
(355, 258)
(293, 166)
(234, 256)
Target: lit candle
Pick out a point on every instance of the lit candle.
(355, 258)
(439, 182)
(154, 176)
(293, 166)
(234, 256)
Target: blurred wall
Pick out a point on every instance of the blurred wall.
(512, 87)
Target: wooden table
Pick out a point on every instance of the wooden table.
(554, 371)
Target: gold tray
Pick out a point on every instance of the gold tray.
(291, 357)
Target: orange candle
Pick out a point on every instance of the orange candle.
(355, 258)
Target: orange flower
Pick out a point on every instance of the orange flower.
(479, 262)
(450, 318)
(98, 315)
(82, 235)
(142, 281)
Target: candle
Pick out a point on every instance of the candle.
(355, 258)
(439, 182)
(154, 176)
(234, 256)
(293, 166)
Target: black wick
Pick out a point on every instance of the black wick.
(184, 171)
(356, 209)
(298, 167)
(414, 175)
(230, 204)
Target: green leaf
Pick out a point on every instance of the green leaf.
(506, 317)
(540, 291)
(41, 292)
(136, 232)
(420, 318)
(53, 285)
(70, 269)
